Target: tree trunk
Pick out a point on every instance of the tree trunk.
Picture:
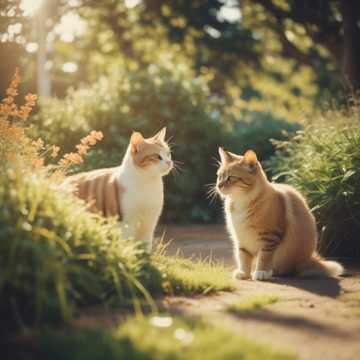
(351, 44)
(43, 74)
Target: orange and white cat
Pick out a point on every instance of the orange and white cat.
(272, 228)
(133, 191)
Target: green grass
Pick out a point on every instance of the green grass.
(253, 303)
(55, 256)
(156, 338)
(188, 277)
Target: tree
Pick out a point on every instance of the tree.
(333, 24)
(310, 32)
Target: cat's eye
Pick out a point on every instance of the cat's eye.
(233, 178)
(159, 157)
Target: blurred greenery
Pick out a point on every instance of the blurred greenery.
(156, 338)
(197, 124)
(263, 55)
(256, 302)
(323, 162)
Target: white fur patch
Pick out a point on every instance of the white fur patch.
(239, 275)
(262, 275)
(142, 200)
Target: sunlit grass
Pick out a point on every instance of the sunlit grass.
(157, 338)
(185, 276)
(253, 303)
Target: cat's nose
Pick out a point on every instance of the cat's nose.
(169, 163)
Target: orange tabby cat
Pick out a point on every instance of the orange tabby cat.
(270, 223)
(133, 191)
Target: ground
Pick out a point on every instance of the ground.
(315, 318)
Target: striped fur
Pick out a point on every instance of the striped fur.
(272, 228)
(100, 189)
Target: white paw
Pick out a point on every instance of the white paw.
(262, 275)
(240, 275)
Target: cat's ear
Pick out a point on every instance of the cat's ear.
(251, 159)
(224, 155)
(160, 135)
(135, 140)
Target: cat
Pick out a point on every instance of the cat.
(133, 192)
(272, 228)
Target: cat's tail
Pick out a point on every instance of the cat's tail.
(317, 267)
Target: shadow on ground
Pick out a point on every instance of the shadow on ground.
(320, 286)
(291, 321)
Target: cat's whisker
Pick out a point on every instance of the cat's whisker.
(211, 192)
(177, 166)
(169, 140)
(176, 169)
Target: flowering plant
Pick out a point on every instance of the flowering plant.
(16, 145)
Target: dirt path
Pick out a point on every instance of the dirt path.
(311, 318)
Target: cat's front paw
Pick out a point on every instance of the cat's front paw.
(240, 275)
(262, 275)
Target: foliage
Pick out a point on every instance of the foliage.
(238, 34)
(156, 338)
(253, 303)
(146, 101)
(323, 162)
(18, 148)
(13, 142)
(248, 58)
(256, 130)
(55, 255)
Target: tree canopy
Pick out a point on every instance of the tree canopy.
(255, 53)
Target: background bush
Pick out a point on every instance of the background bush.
(323, 162)
(146, 101)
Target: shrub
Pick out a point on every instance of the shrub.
(13, 141)
(323, 162)
(55, 255)
(257, 130)
(146, 101)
